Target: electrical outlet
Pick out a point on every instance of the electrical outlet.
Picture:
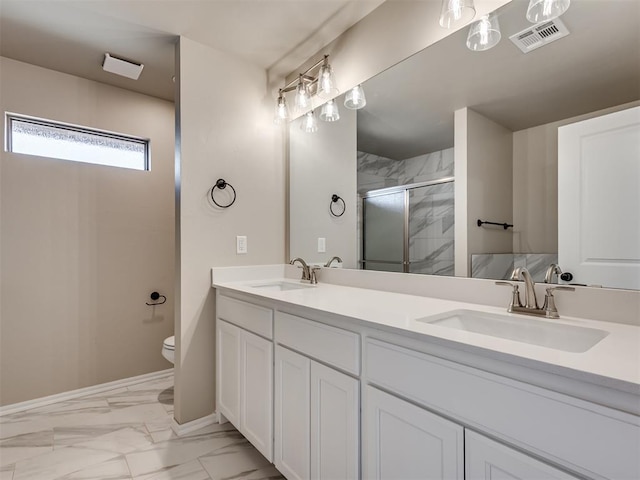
(322, 245)
(241, 244)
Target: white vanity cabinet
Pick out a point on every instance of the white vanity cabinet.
(244, 371)
(403, 441)
(489, 460)
(316, 406)
(293, 414)
(324, 402)
(592, 440)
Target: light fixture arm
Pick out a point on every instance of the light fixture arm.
(316, 80)
(305, 77)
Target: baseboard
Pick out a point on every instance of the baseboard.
(192, 426)
(81, 392)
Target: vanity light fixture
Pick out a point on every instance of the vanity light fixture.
(316, 80)
(484, 34)
(309, 122)
(329, 112)
(456, 12)
(354, 99)
(326, 81)
(282, 110)
(303, 96)
(544, 10)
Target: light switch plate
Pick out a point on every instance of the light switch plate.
(241, 244)
(322, 245)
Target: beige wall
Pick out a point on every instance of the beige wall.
(322, 164)
(226, 131)
(483, 187)
(535, 184)
(82, 246)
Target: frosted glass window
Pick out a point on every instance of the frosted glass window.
(47, 138)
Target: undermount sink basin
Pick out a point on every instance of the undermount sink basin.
(568, 338)
(280, 286)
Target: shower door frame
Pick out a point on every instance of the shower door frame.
(406, 262)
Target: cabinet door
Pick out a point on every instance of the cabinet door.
(489, 460)
(228, 371)
(405, 442)
(334, 424)
(256, 399)
(292, 427)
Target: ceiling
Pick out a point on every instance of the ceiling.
(71, 36)
(410, 107)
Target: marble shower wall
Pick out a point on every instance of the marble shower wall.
(499, 266)
(431, 220)
(431, 232)
(376, 172)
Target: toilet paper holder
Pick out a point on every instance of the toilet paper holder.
(156, 296)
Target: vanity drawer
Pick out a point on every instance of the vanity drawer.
(585, 437)
(328, 344)
(254, 318)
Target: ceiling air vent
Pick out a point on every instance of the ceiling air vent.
(539, 35)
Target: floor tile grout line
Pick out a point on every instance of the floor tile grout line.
(126, 462)
(203, 468)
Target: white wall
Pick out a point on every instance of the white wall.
(483, 188)
(322, 164)
(83, 246)
(225, 131)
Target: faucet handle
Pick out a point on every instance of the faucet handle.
(515, 294)
(549, 307)
(313, 276)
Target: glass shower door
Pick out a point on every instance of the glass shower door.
(431, 229)
(384, 245)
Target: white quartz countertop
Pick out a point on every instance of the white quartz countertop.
(614, 361)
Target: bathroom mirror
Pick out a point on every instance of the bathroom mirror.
(393, 161)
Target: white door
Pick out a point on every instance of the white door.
(599, 200)
(334, 424)
(256, 399)
(405, 442)
(292, 414)
(228, 371)
(489, 460)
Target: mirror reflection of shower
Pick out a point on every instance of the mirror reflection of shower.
(407, 215)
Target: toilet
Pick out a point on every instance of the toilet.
(168, 348)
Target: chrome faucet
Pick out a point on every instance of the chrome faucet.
(530, 306)
(554, 268)
(337, 259)
(308, 273)
(530, 300)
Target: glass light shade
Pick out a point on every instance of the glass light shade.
(282, 111)
(309, 123)
(329, 112)
(303, 98)
(484, 34)
(456, 12)
(544, 10)
(327, 82)
(354, 99)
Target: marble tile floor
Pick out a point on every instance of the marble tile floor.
(123, 434)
